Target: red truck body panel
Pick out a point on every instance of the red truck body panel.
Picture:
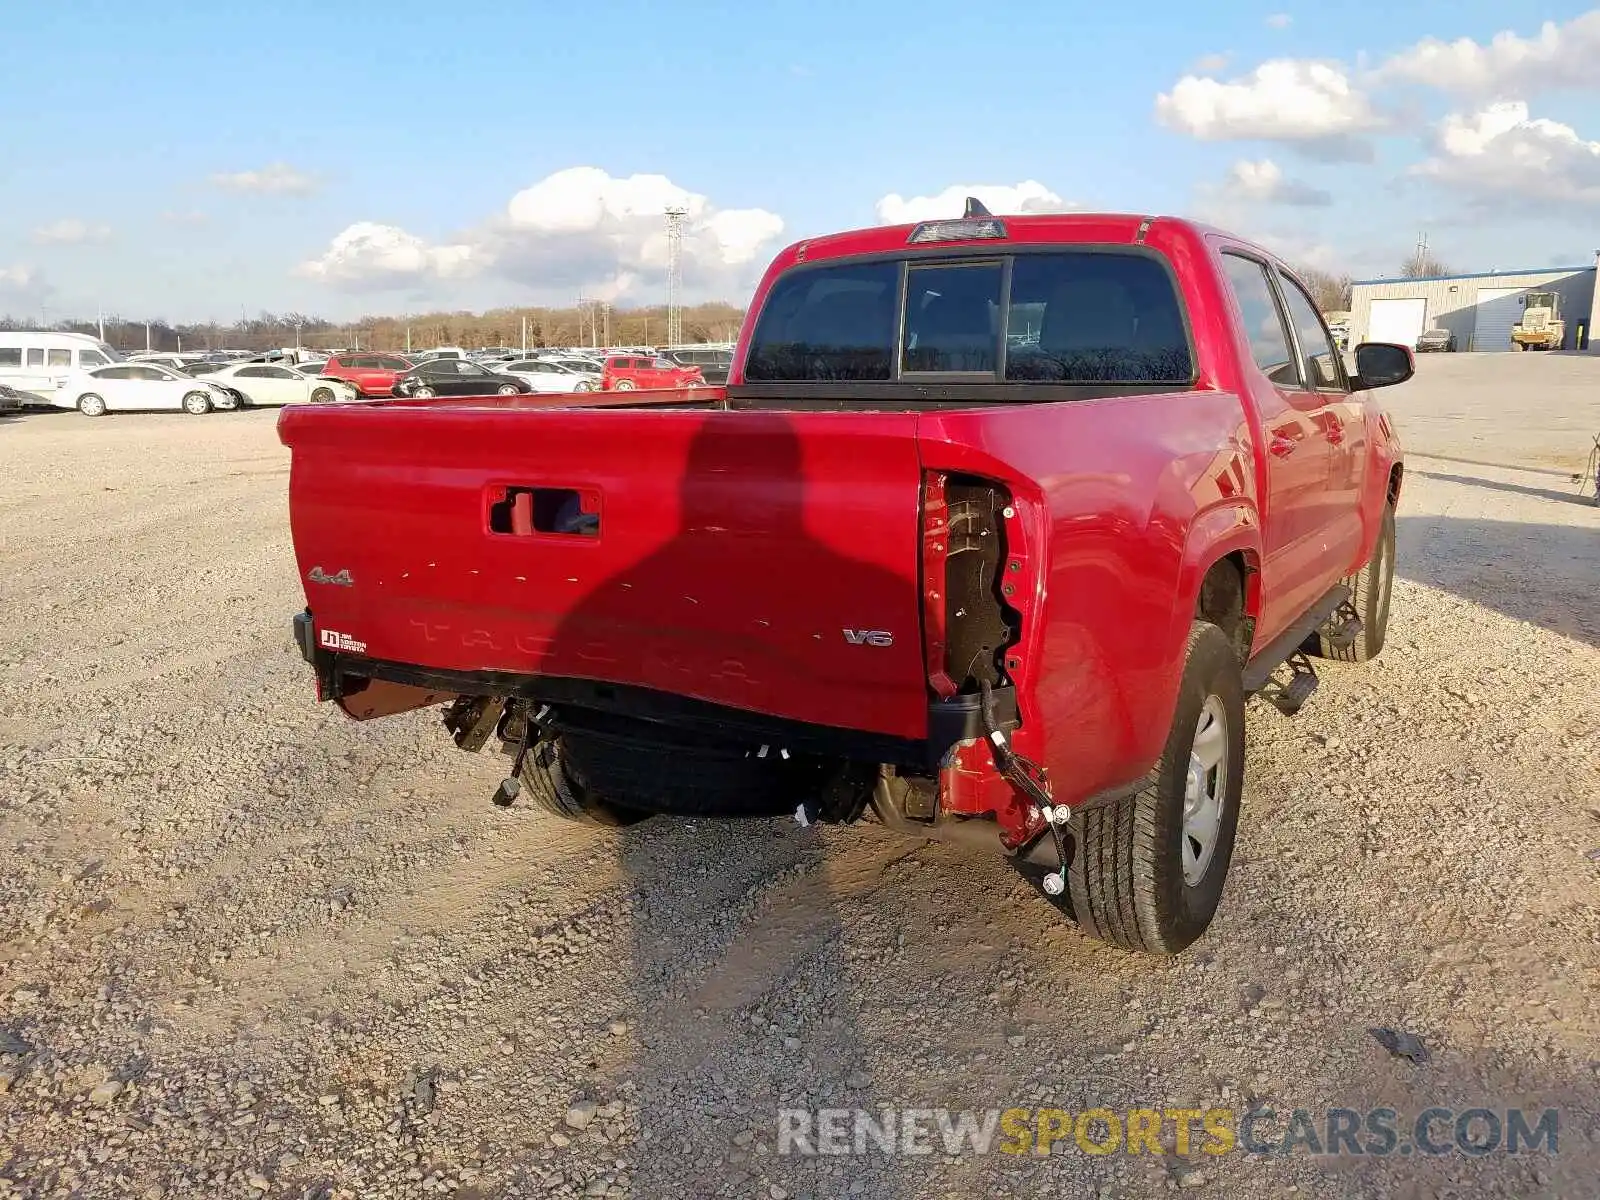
(732, 550)
(740, 551)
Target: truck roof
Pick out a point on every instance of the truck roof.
(1065, 228)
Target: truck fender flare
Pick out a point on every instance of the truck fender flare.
(1377, 489)
(1232, 527)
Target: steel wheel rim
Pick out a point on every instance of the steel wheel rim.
(1205, 790)
(195, 403)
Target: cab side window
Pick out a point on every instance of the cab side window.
(1263, 319)
(1323, 370)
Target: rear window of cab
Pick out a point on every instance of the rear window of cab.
(1080, 316)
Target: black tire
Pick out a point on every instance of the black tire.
(197, 404)
(322, 395)
(550, 788)
(1370, 588)
(424, 393)
(90, 404)
(1126, 885)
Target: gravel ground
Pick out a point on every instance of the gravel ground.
(249, 948)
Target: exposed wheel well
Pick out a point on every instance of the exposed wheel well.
(1395, 475)
(1223, 601)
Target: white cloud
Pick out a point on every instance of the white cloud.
(193, 218)
(1209, 64)
(275, 179)
(70, 231)
(1500, 151)
(1030, 196)
(1302, 250)
(372, 255)
(578, 228)
(1263, 182)
(1279, 21)
(1558, 56)
(1312, 104)
(22, 290)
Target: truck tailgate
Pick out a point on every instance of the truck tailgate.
(750, 559)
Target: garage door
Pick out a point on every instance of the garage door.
(1397, 320)
(1498, 309)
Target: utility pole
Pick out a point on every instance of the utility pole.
(524, 335)
(675, 218)
(605, 310)
(147, 337)
(100, 320)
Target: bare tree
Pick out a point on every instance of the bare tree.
(1422, 264)
(1330, 292)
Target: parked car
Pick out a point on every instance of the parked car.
(1436, 340)
(627, 372)
(457, 377)
(546, 376)
(372, 374)
(1013, 598)
(127, 387)
(270, 383)
(713, 362)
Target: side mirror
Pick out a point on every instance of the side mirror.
(1382, 364)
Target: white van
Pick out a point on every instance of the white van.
(37, 364)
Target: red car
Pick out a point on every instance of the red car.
(373, 374)
(634, 372)
(994, 529)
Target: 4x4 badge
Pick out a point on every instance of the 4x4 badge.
(318, 575)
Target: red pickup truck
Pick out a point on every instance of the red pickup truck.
(994, 528)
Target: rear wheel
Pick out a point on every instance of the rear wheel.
(1369, 595)
(553, 789)
(91, 405)
(507, 389)
(1148, 868)
(197, 404)
(622, 385)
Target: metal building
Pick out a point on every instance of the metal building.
(1479, 309)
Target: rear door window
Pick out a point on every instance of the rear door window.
(1080, 316)
(828, 323)
(1085, 317)
(952, 313)
(1263, 319)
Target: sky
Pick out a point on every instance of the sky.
(194, 163)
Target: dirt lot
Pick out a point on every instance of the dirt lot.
(250, 948)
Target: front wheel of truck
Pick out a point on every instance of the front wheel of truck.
(1148, 868)
(551, 788)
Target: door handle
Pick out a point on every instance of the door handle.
(1281, 446)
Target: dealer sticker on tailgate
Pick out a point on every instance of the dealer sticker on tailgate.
(331, 639)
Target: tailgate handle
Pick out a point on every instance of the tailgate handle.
(525, 511)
